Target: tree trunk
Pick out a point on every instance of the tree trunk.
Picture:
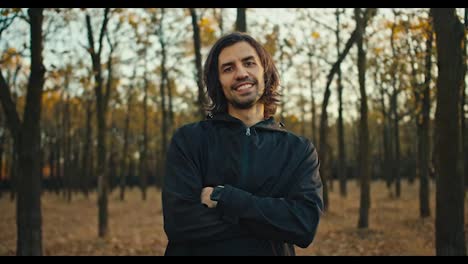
(101, 123)
(27, 140)
(14, 172)
(312, 101)
(87, 149)
(341, 143)
(396, 143)
(394, 114)
(66, 149)
(163, 86)
(364, 165)
(29, 218)
(241, 21)
(58, 166)
(125, 156)
(463, 103)
(423, 148)
(450, 234)
(323, 148)
(323, 118)
(144, 151)
(198, 63)
(2, 150)
(385, 132)
(302, 104)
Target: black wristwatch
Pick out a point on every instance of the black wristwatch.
(216, 194)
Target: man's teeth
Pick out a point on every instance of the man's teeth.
(243, 87)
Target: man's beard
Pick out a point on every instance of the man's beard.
(249, 103)
(244, 105)
(236, 103)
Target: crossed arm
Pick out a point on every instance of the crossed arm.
(190, 214)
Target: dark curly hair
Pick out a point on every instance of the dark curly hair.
(218, 104)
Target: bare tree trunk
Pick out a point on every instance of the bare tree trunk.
(29, 218)
(463, 103)
(324, 172)
(302, 103)
(125, 156)
(14, 172)
(51, 163)
(101, 100)
(144, 152)
(112, 167)
(424, 156)
(312, 101)
(27, 139)
(87, 149)
(198, 63)
(170, 110)
(325, 168)
(67, 175)
(364, 165)
(341, 144)
(396, 143)
(450, 234)
(394, 114)
(58, 165)
(241, 21)
(385, 134)
(2, 150)
(163, 86)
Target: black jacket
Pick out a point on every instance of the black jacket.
(272, 197)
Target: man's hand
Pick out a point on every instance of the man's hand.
(205, 197)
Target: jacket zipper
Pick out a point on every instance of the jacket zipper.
(245, 158)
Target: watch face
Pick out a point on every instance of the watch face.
(215, 195)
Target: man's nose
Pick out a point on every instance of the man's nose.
(241, 73)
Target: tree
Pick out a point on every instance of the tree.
(450, 234)
(421, 90)
(101, 109)
(395, 168)
(341, 144)
(125, 168)
(198, 62)
(464, 129)
(241, 21)
(364, 158)
(27, 138)
(326, 96)
(163, 87)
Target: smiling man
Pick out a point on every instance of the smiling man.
(241, 76)
(238, 183)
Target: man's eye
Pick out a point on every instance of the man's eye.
(249, 63)
(228, 69)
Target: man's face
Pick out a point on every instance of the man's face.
(241, 75)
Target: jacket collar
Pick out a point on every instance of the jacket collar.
(267, 124)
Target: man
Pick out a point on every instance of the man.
(238, 183)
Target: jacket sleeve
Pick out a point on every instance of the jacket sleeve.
(292, 219)
(185, 217)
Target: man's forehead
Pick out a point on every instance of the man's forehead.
(238, 51)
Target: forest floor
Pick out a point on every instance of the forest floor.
(136, 226)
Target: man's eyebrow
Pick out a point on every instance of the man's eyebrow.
(232, 62)
(248, 58)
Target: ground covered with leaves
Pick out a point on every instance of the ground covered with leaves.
(136, 226)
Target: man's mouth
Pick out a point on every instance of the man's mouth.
(243, 87)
